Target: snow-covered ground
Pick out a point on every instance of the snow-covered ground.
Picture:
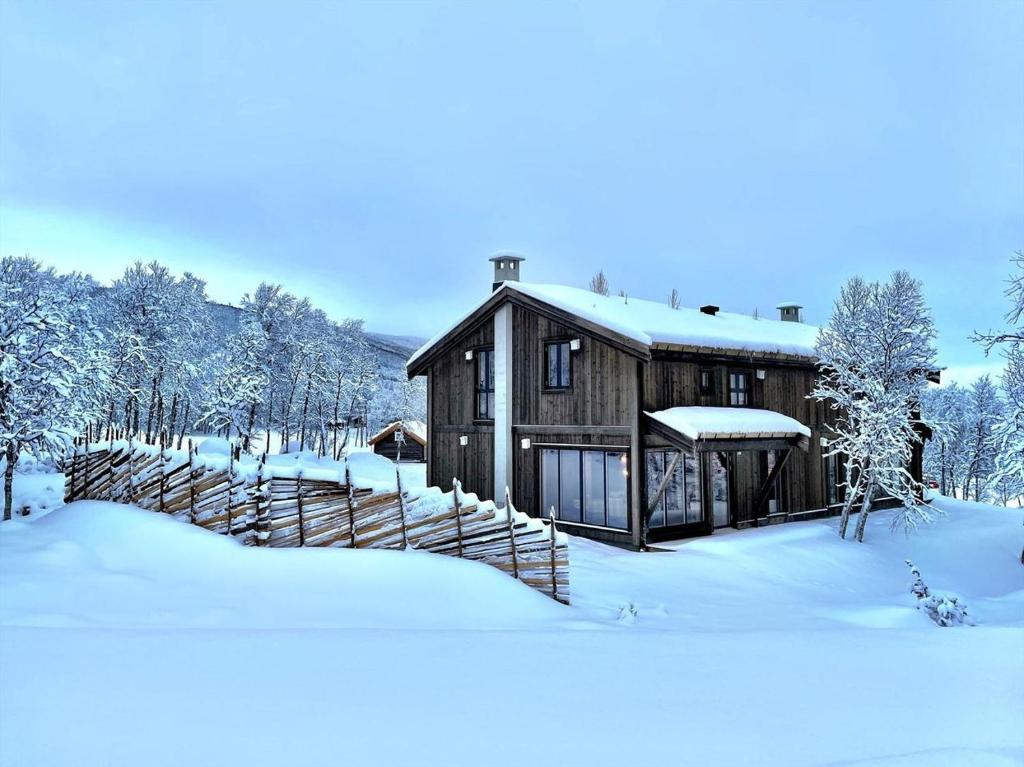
(130, 638)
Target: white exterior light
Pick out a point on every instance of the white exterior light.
(823, 442)
(469, 356)
(574, 345)
(760, 375)
(463, 440)
(524, 443)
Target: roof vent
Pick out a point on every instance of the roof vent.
(506, 268)
(709, 309)
(790, 312)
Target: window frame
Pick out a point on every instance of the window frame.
(605, 450)
(695, 465)
(559, 341)
(747, 391)
(479, 354)
(709, 390)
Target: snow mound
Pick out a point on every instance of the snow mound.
(214, 446)
(108, 565)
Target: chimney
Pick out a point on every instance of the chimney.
(506, 268)
(710, 309)
(790, 312)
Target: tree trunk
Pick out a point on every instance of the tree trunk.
(12, 459)
(851, 498)
(305, 413)
(862, 522)
(184, 425)
(248, 428)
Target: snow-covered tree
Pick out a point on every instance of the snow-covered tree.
(945, 454)
(984, 410)
(1007, 436)
(875, 355)
(52, 368)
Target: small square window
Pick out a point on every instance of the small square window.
(557, 365)
(739, 388)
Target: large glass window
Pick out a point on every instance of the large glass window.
(776, 493)
(557, 373)
(739, 388)
(587, 486)
(485, 384)
(680, 504)
(719, 464)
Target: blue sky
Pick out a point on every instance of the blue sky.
(372, 156)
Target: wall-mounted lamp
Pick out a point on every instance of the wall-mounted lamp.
(823, 441)
(463, 440)
(524, 443)
(760, 375)
(469, 356)
(574, 345)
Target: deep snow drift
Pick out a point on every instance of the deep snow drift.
(130, 638)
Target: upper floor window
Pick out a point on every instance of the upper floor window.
(707, 382)
(485, 384)
(739, 388)
(556, 364)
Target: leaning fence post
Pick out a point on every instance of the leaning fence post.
(163, 480)
(131, 471)
(85, 480)
(401, 506)
(258, 525)
(554, 570)
(74, 464)
(458, 512)
(231, 472)
(351, 510)
(512, 533)
(298, 501)
(191, 492)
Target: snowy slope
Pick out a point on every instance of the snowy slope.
(133, 639)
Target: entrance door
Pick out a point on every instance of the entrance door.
(719, 490)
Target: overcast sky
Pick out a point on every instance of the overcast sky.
(372, 156)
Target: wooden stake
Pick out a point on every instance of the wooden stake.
(512, 534)
(191, 487)
(74, 464)
(85, 483)
(554, 571)
(231, 477)
(259, 497)
(401, 506)
(298, 500)
(458, 512)
(351, 511)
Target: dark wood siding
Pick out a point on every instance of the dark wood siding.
(672, 382)
(599, 409)
(411, 450)
(450, 400)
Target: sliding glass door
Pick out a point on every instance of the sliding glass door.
(586, 486)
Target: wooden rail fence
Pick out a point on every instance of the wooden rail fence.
(283, 506)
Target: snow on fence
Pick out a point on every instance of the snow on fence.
(283, 506)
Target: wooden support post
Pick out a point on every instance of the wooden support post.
(351, 506)
(163, 478)
(653, 502)
(766, 488)
(191, 487)
(298, 501)
(131, 471)
(401, 506)
(512, 534)
(458, 513)
(85, 482)
(231, 476)
(259, 498)
(554, 566)
(74, 465)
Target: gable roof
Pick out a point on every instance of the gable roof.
(415, 430)
(641, 326)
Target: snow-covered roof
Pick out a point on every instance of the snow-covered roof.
(729, 423)
(415, 429)
(654, 322)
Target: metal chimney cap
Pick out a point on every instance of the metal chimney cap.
(709, 309)
(507, 257)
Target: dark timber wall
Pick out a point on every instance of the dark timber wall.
(672, 382)
(451, 386)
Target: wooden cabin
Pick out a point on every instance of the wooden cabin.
(401, 440)
(602, 408)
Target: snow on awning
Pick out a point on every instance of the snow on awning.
(701, 423)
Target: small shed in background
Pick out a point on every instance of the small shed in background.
(413, 441)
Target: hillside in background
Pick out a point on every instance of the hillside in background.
(392, 351)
